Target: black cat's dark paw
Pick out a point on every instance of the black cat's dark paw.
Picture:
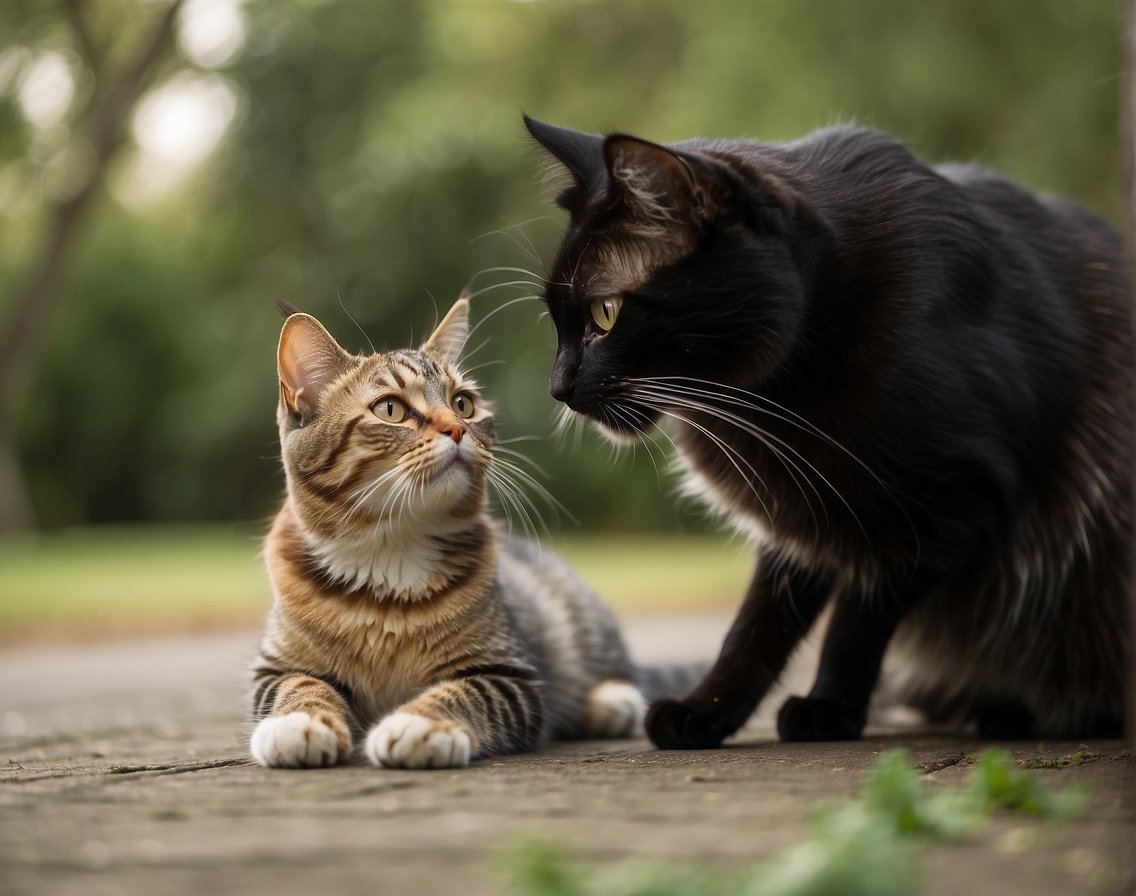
(676, 725)
(818, 718)
(1005, 720)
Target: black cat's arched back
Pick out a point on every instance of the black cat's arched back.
(911, 385)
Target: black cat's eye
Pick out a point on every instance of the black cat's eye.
(389, 410)
(462, 403)
(605, 311)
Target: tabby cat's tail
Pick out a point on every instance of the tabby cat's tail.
(672, 680)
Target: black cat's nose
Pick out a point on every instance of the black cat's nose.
(560, 386)
(562, 382)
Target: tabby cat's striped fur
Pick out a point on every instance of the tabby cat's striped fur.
(403, 619)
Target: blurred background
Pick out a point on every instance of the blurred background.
(169, 170)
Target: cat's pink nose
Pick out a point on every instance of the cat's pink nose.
(454, 430)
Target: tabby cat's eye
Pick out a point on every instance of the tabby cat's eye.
(462, 404)
(389, 410)
(605, 311)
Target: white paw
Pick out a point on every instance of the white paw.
(615, 709)
(406, 740)
(294, 741)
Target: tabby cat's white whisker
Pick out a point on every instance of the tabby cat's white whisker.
(515, 496)
(525, 478)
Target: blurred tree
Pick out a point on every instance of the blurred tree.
(119, 77)
(366, 156)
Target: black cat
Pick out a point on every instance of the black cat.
(911, 384)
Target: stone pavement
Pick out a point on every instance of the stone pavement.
(126, 773)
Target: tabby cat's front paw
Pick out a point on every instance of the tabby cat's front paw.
(818, 718)
(406, 740)
(296, 740)
(677, 725)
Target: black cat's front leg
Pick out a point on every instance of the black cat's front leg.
(837, 706)
(780, 606)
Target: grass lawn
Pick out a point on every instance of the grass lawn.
(108, 582)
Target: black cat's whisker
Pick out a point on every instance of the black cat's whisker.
(466, 355)
(767, 439)
(532, 283)
(646, 424)
(497, 362)
(762, 435)
(517, 236)
(566, 419)
(497, 310)
(731, 454)
(530, 277)
(518, 228)
(638, 420)
(748, 399)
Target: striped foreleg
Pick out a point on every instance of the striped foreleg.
(303, 723)
(483, 711)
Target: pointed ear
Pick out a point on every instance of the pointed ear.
(448, 339)
(307, 360)
(581, 153)
(657, 182)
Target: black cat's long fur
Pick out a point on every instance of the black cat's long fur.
(912, 383)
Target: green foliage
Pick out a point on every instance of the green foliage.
(376, 163)
(865, 847)
(997, 783)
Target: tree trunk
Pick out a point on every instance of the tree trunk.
(38, 296)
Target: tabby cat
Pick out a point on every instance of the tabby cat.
(911, 384)
(402, 615)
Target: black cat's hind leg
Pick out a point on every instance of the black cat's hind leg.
(837, 706)
(1005, 720)
(779, 608)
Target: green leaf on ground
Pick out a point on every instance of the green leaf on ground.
(863, 847)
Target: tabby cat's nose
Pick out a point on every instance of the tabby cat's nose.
(454, 430)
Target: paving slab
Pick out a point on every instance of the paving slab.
(125, 771)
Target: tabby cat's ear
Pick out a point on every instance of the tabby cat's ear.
(308, 360)
(581, 153)
(449, 337)
(659, 183)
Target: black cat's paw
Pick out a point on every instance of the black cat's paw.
(1005, 720)
(818, 718)
(676, 725)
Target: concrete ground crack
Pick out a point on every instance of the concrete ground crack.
(937, 765)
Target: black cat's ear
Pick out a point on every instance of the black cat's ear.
(308, 360)
(581, 153)
(657, 182)
(449, 337)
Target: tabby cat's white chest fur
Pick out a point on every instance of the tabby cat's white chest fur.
(401, 563)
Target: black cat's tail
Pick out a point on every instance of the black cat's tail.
(672, 680)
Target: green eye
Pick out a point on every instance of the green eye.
(605, 311)
(462, 404)
(389, 410)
